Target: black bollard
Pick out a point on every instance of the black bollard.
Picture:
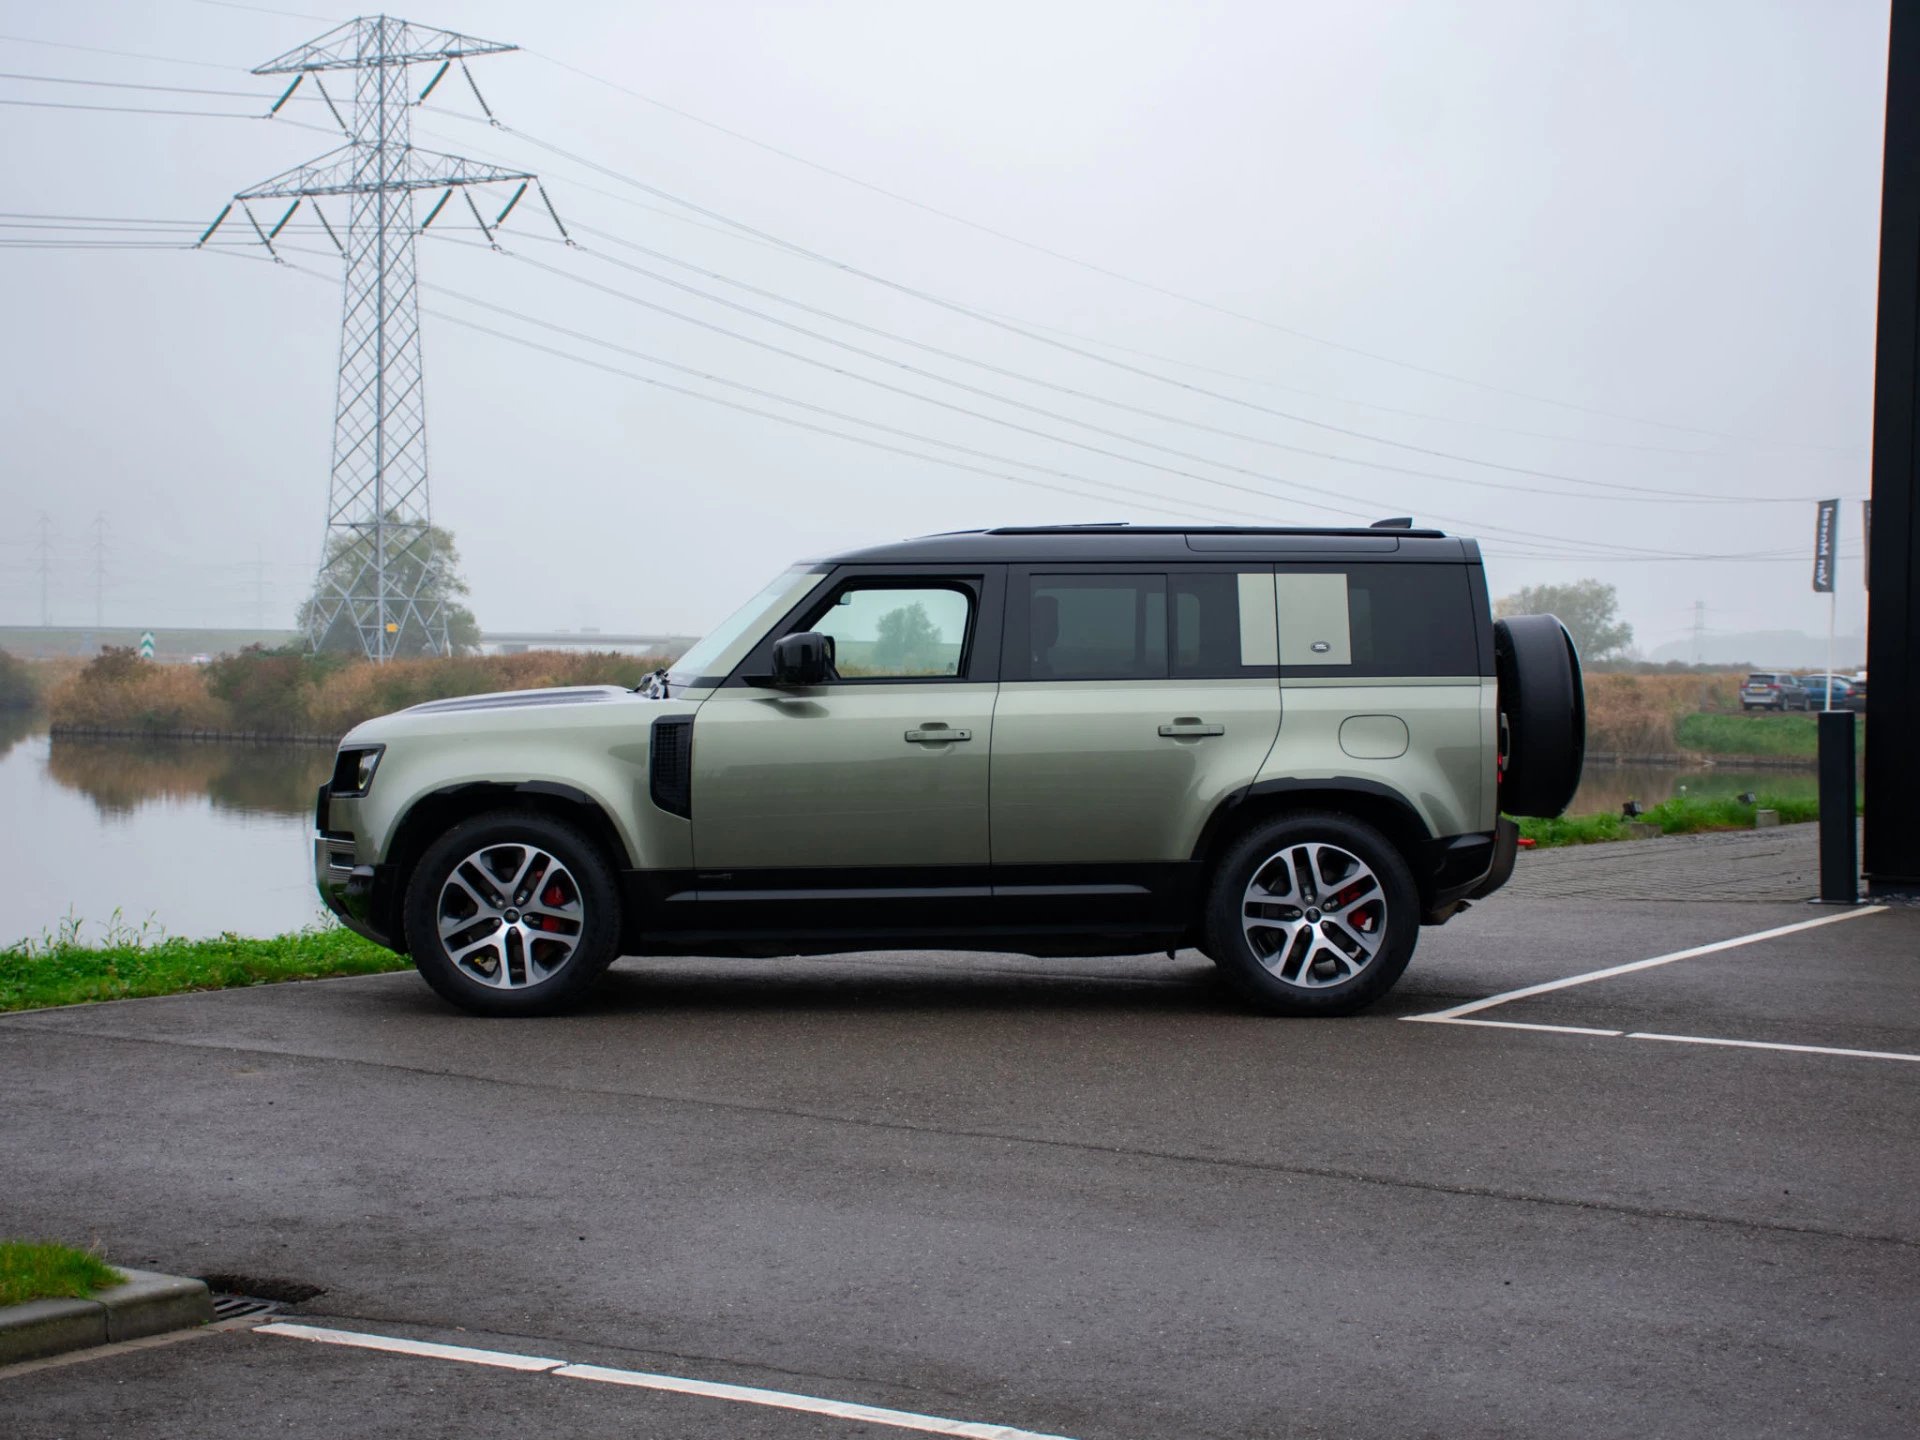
(1839, 848)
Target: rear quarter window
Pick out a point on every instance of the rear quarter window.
(1377, 620)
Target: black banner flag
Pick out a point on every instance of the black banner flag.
(1823, 545)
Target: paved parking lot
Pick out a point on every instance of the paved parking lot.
(1081, 1198)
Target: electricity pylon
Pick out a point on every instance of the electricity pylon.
(380, 570)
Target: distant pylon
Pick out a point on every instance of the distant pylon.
(378, 564)
(99, 571)
(46, 567)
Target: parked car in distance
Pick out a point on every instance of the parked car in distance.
(1814, 689)
(1857, 693)
(1289, 749)
(1772, 690)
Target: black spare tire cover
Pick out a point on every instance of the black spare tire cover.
(1543, 715)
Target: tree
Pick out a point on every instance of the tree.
(906, 642)
(429, 566)
(1588, 608)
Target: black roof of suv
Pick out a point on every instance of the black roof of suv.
(1146, 543)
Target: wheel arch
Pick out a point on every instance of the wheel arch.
(1369, 801)
(430, 815)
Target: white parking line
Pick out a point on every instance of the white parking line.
(394, 1345)
(1774, 1045)
(643, 1380)
(1459, 1013)
(1587, 979)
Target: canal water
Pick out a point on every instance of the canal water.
(197, 839)
(187, 839)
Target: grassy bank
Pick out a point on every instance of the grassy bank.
(31, 1270)
(285, 692)
(1682, 815)
(61, 970)
(1785, 736)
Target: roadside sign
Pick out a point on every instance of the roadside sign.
(146, 645)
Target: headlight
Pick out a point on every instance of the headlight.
(353, 769)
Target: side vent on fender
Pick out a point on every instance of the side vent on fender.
(671, 777)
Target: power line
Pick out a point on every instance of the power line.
(988, 318)
(133, 110)
(1149, 285)
(1264, 495)
(123, 54)
(136, 85)
(1663, 496)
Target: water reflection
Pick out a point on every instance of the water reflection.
(1608, 787)
(119, 776)
(16, 725)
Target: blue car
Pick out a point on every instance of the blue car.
(1815, 689)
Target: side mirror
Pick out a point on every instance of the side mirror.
(802, 659)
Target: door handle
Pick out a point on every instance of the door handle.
(1188, 728)
(937, 735)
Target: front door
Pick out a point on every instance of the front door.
(860, 803)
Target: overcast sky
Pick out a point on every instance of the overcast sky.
(1603, 246)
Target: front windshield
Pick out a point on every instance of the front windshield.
(723, 647)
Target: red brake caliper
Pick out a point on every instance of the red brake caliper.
(553, 896)
(1362, 921)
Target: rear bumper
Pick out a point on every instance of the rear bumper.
(1469, 867)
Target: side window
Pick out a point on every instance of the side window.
(1098, 627)
(895, 632)
(1378, 619)
(1222, 623)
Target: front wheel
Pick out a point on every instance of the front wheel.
(512, 913)
(1315, 914)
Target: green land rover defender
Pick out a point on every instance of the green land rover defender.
(1288, 748)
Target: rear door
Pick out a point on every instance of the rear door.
(1133, 700)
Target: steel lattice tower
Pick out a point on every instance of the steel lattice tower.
(379, 560)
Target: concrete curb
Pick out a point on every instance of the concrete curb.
(146, 1305)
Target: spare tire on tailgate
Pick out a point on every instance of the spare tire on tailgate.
(1543, 715)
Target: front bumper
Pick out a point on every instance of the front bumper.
(359, 895)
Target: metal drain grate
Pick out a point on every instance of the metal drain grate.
(235, 1307)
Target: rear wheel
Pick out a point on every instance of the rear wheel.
(512, 913)
(1315, 914)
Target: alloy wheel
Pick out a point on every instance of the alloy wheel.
(1314, 915)
(510, 916)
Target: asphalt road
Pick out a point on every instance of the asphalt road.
(1090, 1198)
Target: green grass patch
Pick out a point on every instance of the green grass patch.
(30, 1270)
(1788, 736)
(1682, 815)
(59, 969)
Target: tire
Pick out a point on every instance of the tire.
(1543, 715)
(554, 936)
(1305, 961)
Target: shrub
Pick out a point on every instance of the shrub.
(1636, 715)
(269, 691)
(117, 690)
